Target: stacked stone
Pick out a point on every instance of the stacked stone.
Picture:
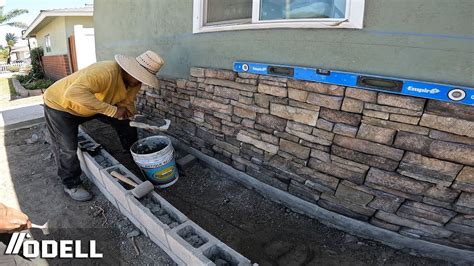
(401, 163)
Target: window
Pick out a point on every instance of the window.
(47, 43)
(219, 15)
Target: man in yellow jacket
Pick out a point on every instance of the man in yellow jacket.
(106, 91)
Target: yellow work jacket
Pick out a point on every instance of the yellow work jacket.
(96, 89)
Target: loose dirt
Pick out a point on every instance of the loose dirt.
(263, 231)
(29, 172)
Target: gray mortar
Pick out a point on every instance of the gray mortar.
(160, 213)
(143, 147)
(219, 256)
(153, 121)
(103, 161)
(189, 234)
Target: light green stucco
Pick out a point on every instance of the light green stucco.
(428, 40)
(87, 22)
(57, 32)
(59, 29)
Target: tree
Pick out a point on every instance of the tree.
(5, 19)
(11, 40)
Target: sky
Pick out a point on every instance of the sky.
(34, 7)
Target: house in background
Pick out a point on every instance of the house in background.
(67, 38)
(20, 53)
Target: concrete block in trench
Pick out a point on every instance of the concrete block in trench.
(125, 211)
(106, 193)
(157, 215)
(187, 239)
(168, 251)
(118, 189)
(185, 162)
(97, 161)
(221, 254)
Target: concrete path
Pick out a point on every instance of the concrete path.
(4, 90)
(18, 113)
(21, 117)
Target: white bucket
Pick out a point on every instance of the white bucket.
(155, 156)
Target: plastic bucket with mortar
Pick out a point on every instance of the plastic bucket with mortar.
(155, 156)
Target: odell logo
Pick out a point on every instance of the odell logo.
(423, 90)
(49, 248)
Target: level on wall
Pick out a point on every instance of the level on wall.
(441, 92)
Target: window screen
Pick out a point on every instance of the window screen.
(302, 9)
(228, 10)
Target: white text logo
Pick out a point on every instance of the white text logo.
(50, 248)
(259, 68)
(423, 90)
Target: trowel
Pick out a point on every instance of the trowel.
(150, 123)
(44, 228)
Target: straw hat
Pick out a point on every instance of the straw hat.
(144, 67)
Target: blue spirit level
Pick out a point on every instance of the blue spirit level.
(441, 92)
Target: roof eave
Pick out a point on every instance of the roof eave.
(43, 14)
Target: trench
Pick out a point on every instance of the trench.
(263, 231)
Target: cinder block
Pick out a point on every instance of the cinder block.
(91, 165)
(153, 225)
(114, 187)
(107, 194)
(190, 254)
(132, 218)
(88, 160)
(109, 156)
(186, 161)
(171, 240)
(177, 215)
(224, 252)
(82, 162)
(80, 156)
(122, 170)
(82, 134)
(168, 251)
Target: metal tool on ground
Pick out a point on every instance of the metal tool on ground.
(139, 190)
(150, 123)
(44, 228)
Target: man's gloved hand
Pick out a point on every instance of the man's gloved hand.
(12, 220)
(122, 113)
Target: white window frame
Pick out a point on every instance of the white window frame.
(354, 19)
(47, 43)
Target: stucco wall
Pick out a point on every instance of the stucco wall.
(427, 40)
(57, 30)
(87, 22)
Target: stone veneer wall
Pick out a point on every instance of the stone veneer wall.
(401, 163)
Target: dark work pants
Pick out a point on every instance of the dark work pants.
(64, 128)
